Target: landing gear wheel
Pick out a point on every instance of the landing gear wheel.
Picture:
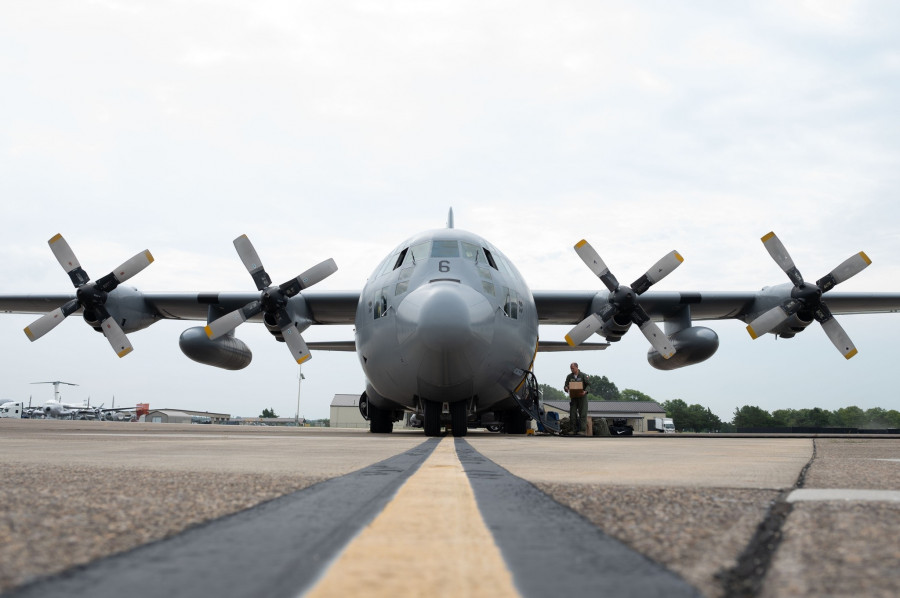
(515, 421)
(459, 415)
(379, 420)
(432, 417)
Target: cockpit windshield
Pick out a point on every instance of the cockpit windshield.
(445, 249)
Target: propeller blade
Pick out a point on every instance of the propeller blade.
(657, 272)
(659, 340)
(51, 320)
(849, 268)
(116, 337)
(231, 320)
(781, 256)
(314, 275)
(590, 257)
(652, 332)
(131, 267)
(839, 338)
(295, 343)
(252, 262)
(66, 258)
(767, 321)
(584, 330)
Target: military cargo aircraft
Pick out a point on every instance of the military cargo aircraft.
(446, 326)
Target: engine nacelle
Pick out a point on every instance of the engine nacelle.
(613, 330)
(796, 323)
(692, 345)
(127, 306)
(226, 352)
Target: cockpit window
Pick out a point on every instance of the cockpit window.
(511, 304)
(473, 253)
(420, 252)
(490, 259)
(445, 249)
(401, 259)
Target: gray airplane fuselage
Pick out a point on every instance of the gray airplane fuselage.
(446, 317)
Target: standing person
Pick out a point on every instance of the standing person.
(578, 403)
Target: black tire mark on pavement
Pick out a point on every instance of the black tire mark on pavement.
(553, 551)
(278, 548)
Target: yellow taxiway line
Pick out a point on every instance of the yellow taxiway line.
(430, 540)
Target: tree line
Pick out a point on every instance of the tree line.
(697, 418)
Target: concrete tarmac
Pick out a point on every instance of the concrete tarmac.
(723, 516)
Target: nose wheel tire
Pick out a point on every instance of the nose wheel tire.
(459, 415)
(432, 417)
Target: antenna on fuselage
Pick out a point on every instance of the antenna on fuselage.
(450, 219)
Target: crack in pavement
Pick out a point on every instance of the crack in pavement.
(746, 578)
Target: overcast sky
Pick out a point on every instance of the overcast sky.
(337, 129)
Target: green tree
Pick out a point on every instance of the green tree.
(630, 394)
(677, 409)
(552, 394)
(813, 418)
(602, 389)
(849, 417)
(701, 419)
(784, 417)
(750, 416)
(268, 413)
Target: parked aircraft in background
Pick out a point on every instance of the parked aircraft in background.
(446, 326)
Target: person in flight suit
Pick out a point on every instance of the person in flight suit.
(578, 403)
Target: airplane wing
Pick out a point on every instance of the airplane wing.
(571, 307)
(325, 307)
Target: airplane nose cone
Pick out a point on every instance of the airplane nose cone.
(445, 316)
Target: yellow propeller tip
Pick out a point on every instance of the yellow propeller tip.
(580, 243)
(678, 257)
(124, 352)
(569, 340)
(149, 255)
(863, 255)
(29, 333)
(752, 332)
(304, 359)
(55, 238)
(851, 354)
(767, 236)
(208, 331)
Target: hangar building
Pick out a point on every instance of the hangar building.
(635, 412)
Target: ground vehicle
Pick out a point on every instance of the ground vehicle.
(620, 427)
(663, 425)
(11, 409)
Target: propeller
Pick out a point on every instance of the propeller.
(808, 297)
(272, 299)
(623, 299)
(90, 296)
